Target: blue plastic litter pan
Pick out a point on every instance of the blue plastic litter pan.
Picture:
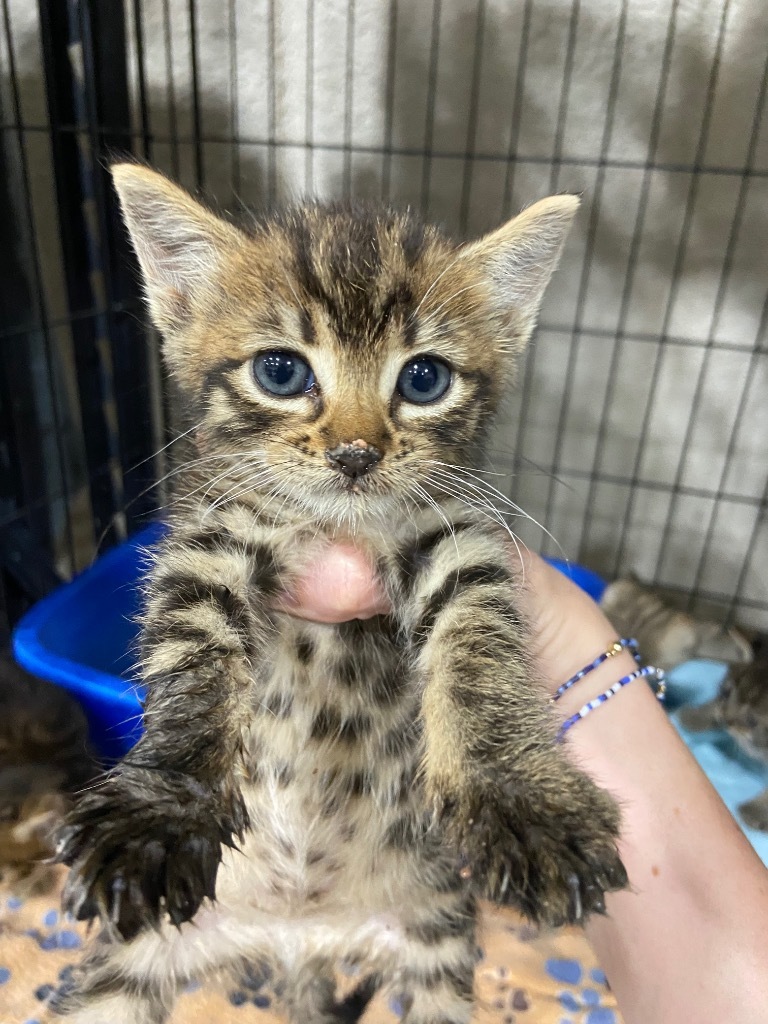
(82, 637)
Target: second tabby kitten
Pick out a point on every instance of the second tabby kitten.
(305, 793)
(741, 708)
(668, 636)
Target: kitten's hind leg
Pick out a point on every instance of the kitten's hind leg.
(311, 995)
(102, 991)
(442, 995)
(437, 977)
(137, 982)
(350, 1009)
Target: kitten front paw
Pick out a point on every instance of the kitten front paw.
(139, 847)
(554, 863)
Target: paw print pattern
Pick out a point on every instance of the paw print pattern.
(523, 977)
(582, 1000)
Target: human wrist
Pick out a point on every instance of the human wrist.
(622, 667)
(689, 866)
(570, 631)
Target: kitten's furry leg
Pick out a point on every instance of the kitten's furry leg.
(536, 831)
(310, 994)
(121, 1008)
(439, 961)
(137, 982)
(350, 1009)
(149, 837)
(438, 981)
(102, 991)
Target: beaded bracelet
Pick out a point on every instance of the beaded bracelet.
(616, 648)
(646, 670)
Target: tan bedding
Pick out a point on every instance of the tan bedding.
(523, 978)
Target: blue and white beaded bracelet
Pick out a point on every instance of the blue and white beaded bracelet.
(602, 698)
(626, 643)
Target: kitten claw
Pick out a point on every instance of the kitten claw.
(118, 887)
(576, 909)
(85, 909)
(134, 861)
(555, 870)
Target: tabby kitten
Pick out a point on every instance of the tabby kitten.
(666, 635)
(741, 708)
(304, 792)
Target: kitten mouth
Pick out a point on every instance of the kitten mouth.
(348, 486)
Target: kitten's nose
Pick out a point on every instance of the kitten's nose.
(353, 459)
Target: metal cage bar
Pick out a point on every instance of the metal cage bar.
(466, 112)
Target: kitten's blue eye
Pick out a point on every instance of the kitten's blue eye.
(283, 373)
(423, 380)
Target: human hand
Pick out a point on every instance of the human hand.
(340, 584)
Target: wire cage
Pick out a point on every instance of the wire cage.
(636, 436)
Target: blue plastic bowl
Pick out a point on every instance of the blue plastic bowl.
(589, 581)
(82, 637)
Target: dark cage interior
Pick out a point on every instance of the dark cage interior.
(635, 438)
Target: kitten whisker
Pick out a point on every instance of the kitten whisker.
(483, 486)
(216, 457)
(194, 464)
(474, 492)
(518, 457)
(469, 498)
(146, 490)
(419, 490)
(234, 479)
(165, 447)
(489, 512)
(237, 491)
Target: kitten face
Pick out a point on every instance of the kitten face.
(338, 357)
(346, 331)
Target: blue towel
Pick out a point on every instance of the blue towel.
(736, 777)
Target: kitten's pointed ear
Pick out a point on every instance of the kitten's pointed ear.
(181, 246)
(520, 257)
